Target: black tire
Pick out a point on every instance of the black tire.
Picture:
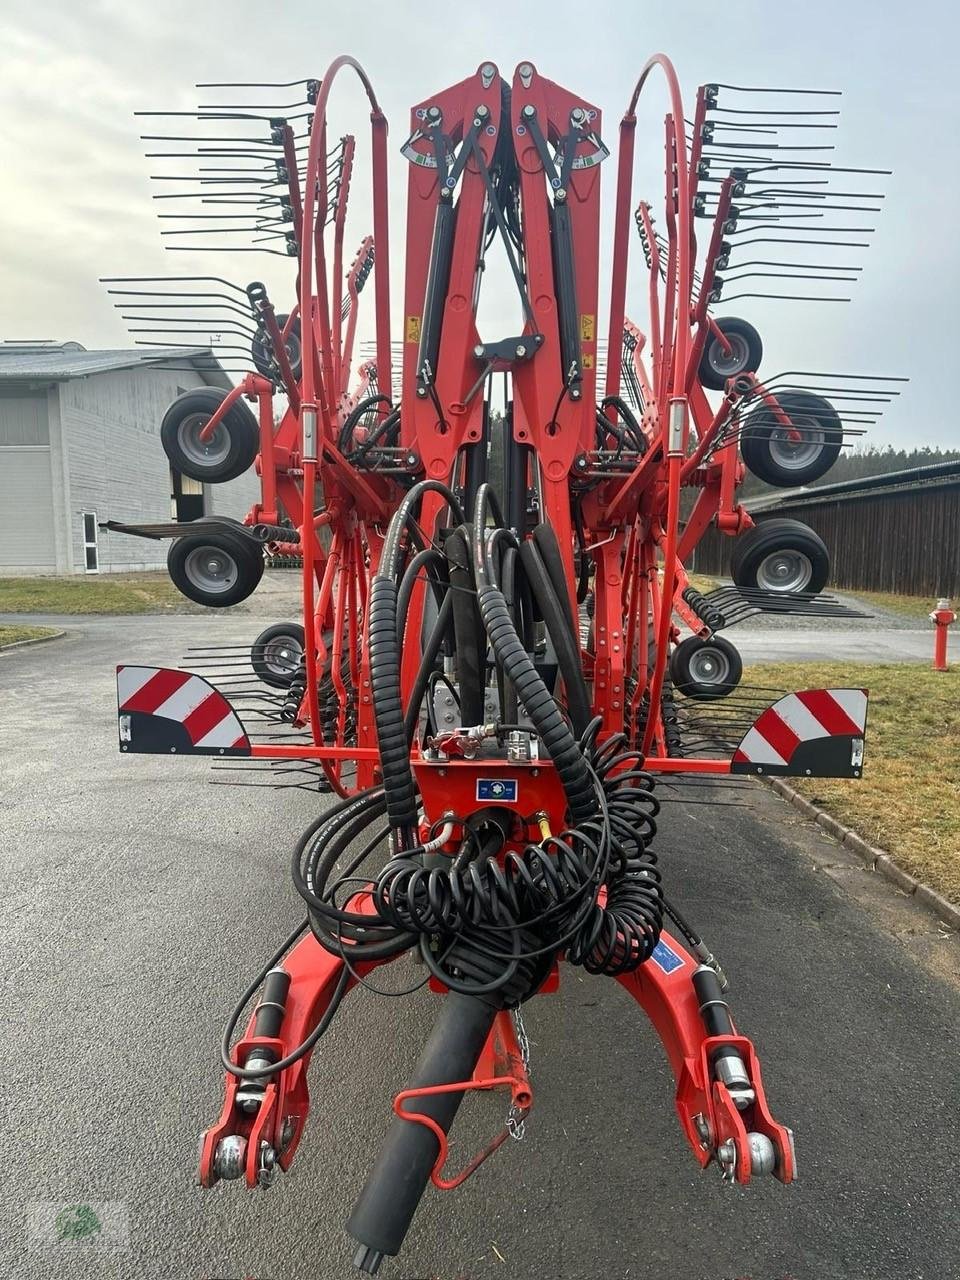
(277, 652)
(778, 461)
(717, 365)
(227, 454)
(780, 556)
(215, 569)
(261, 349)
(705, 669)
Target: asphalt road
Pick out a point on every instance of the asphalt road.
(806, 640)
(138, 899)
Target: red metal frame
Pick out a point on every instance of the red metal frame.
(633, 532)
(707, 1114)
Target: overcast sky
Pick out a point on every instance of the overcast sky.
(77, 200)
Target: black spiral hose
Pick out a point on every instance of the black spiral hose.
(398, 779)
(548, 895)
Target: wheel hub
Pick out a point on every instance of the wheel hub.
(283, 655)
(795, 455)
(210, 569)
(710, 666)
(203, 452)
(727, 364)
(786, 570)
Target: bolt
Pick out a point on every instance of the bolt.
(421, 392)
(483, 111)
(529, 111)
(411, 459)
(521, 351)
(478, 350)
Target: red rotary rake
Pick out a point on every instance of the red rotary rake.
(490, 671)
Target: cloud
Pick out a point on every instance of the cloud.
(78, 203)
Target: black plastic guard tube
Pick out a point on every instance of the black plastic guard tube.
(556, 620)
(539, 703)
(389, 1199)
(398, 782)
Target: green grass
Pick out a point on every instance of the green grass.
(702, 582)
(110, 594)
(14, 635)
(908, 800)
(916, 607)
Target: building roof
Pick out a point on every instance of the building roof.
(935, 475)
(61, 361)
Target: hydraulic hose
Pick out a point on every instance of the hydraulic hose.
(548, 547)
(508, 570)
(540, 706)
(390, 556)
(471, 652)
(353, 418)
(432, 648)
(518, 666)
(435, 566)
(557, 621)
(398, 780)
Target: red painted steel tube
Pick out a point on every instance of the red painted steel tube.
(621, 234)
(683, 240)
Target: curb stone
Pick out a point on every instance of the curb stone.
(875, 859)
(23, 644)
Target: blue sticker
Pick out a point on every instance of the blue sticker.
(496, 789)
(666, 958)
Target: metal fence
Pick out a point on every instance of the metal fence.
(904, 539)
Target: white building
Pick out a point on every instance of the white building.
(80, 444)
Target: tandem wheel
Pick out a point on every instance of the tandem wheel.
(230, 450)
(780, 556)
(705, 669)
(215, 569)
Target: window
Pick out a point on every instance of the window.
(91, 552)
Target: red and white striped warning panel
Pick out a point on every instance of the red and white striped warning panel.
(162, 710)
(815, 733)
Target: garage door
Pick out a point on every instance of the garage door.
(27, 538)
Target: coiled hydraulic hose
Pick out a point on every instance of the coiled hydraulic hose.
(549, 894)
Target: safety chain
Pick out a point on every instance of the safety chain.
(516, 1124)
